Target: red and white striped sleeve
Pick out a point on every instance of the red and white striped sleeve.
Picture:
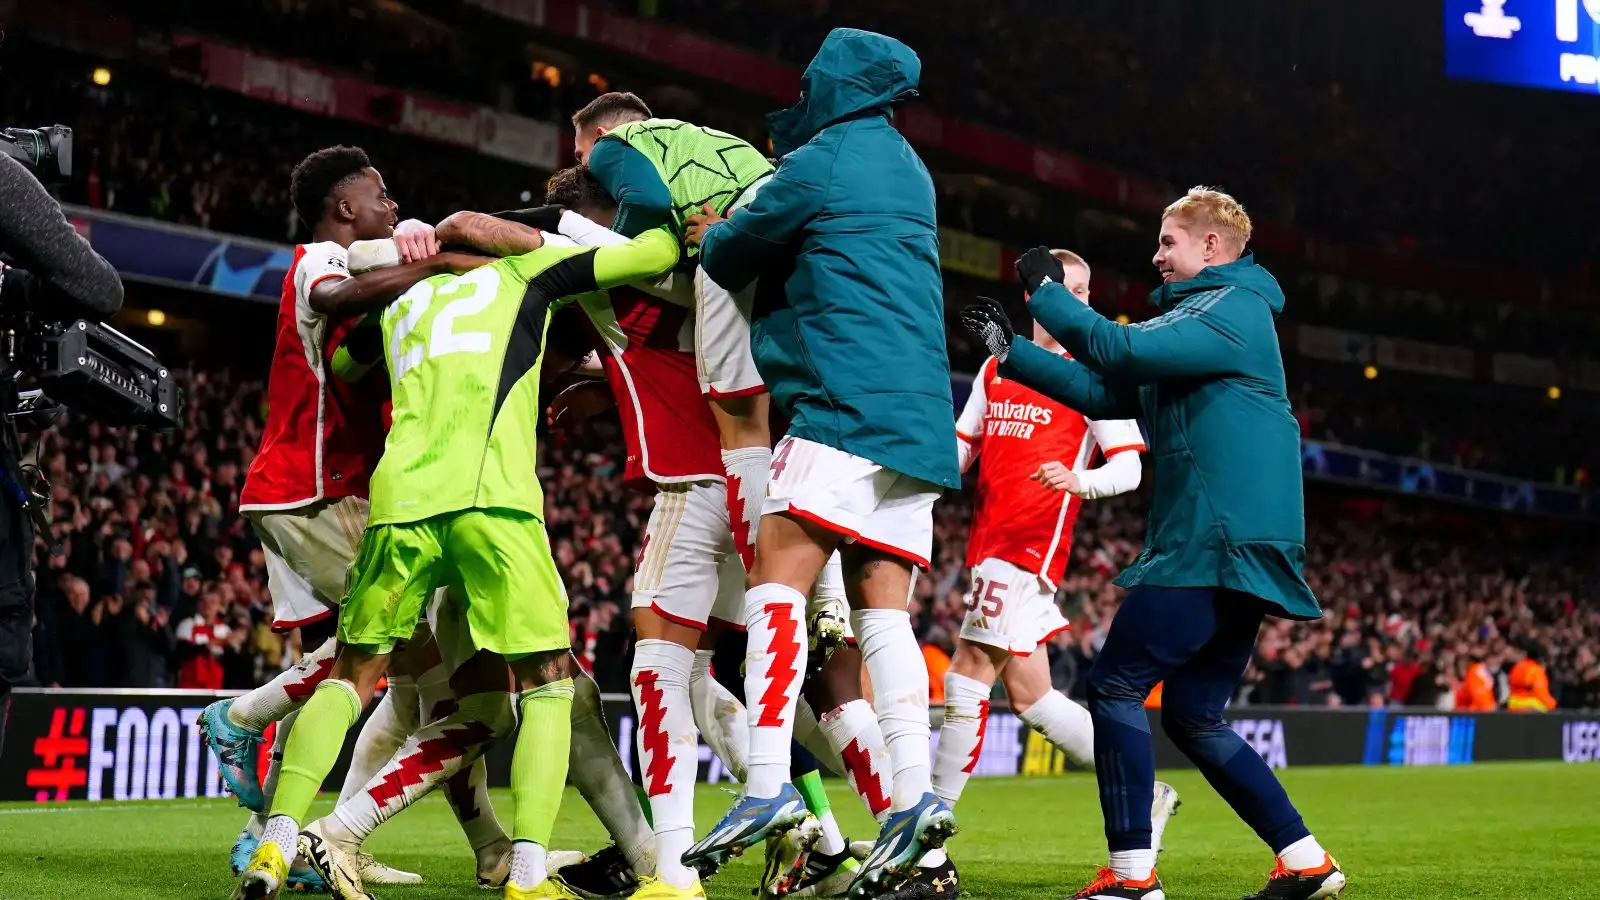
(969, 425)
(321, 261)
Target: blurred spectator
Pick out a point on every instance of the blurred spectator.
(142, 639)
(203, 638)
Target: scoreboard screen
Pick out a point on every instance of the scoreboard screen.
(1551, 44)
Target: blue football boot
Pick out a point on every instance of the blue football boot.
(905, 837)
(748, 823)
(236, 754)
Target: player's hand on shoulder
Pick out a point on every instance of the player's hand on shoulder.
(544, 218)
(578, 402)
(695, 225)
(1038, 267)
(416, 240)
(1058, 477)
(988, 320)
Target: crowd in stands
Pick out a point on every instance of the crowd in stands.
(155, 580)
(1406, 161)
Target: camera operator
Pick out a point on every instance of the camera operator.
(55, 274)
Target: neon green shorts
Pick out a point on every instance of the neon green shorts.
(498, 560)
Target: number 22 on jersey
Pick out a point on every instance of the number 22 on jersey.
(462, 296)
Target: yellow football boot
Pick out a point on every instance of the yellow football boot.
(552, 888)
(265, 875)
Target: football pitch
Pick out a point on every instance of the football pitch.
(1487, 830)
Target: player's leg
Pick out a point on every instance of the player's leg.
(395, 717)
(918, 821)
(790, 553)
(462, 722)
(517, 607)
(967, 687)
(389, 585)
(1155, 631)
(719, 713)
(458, 670)
(675, 589)
(1192, 706)
(815, 860)
(1012, 614)
(235, 745)
(308, 552)
(739, 403)
(598, 773)
(894, 539)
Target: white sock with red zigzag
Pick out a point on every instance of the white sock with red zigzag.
(966, 712)
(900, 697)
(774, 659)
(669, 751)
(428, 759)
(284, 694)
(853, 734)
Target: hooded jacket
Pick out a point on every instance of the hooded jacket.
(1206, 380)
(845, 240)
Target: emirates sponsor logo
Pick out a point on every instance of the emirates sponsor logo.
(1007, 419)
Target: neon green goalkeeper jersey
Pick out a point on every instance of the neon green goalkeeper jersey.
(464, 353)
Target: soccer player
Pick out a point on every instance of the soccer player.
(1033, 481)
(455, 502)
(658, 170)
(306, 491)
(856, 359)
(1226, 537)
(689, 584)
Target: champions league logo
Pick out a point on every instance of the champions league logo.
(1492, 21)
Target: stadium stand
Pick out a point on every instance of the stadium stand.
(157, 582)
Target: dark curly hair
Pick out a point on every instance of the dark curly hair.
(319, 175)
(576, 188)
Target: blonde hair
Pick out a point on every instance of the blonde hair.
(1068, 258)
(1211, 209)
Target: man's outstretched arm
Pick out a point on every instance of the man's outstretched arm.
(356, 295)
(1067, 381)
(490, 234)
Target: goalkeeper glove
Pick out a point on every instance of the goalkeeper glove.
(1038, 267)
(544, 218)
(989, 322)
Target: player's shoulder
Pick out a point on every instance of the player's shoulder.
(655, 125)
(326, 254)
(990, 370)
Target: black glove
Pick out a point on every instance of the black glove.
(544, 218)
(1037, 266)
(989, 322)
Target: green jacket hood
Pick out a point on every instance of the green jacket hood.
(855, 72)
(1241, 273)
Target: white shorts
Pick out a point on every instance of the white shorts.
(722, 330)
(688, 571)
(1010, 608)
(309, 551)
(855, 497)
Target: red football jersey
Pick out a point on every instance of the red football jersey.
(1017, 430)
(324, 435)
(647, 348)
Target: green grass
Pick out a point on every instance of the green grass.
(1496, 831)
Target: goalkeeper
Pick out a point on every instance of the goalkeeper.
(658, 171)
(456, 503)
